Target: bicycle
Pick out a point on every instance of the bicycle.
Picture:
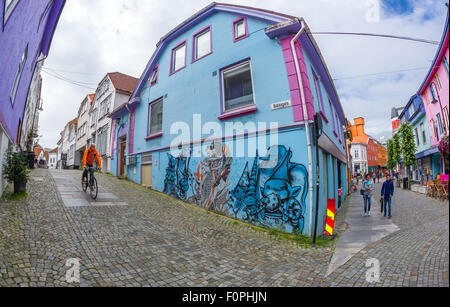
(91, 183)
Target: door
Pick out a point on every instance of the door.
(122, 158)
(147, 171)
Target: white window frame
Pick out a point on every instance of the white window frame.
(249, 62)
(174, 57)
(18, 75)
(149, 128)
(196, 37)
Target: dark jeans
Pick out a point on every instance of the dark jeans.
(387, 202)
(367, 203)
(86, 171)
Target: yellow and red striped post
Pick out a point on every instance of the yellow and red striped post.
(331, 215)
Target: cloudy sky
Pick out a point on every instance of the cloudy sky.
(96, 37)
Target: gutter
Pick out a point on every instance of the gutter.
(306, 120)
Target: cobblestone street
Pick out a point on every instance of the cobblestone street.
(136, 237)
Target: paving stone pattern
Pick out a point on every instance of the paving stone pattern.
(137, 237)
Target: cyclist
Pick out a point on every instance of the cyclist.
(88, 161)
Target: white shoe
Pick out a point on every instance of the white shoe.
(369, 214)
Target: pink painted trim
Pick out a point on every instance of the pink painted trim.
(194, 45)
(157, 75)
(324, 117)
(238, 113)
(171, 58)
(154, 136)
(293, 81)
(234, 29)
(336, 135)
(113, 136)
(132, 123)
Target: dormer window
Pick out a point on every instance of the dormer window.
(240, 29)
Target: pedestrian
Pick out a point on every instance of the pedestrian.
(367, 189)
(387, 193)
(378, 177)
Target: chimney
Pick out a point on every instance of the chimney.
(359, 123)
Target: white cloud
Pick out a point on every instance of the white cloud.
(96, 37)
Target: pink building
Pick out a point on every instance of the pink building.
(435, 92)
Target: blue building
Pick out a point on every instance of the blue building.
(222, 117)
(414, 114)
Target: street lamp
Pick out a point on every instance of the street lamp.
(440, 104)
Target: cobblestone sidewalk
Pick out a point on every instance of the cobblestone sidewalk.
(158, 241)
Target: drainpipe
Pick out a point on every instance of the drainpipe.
(127, 147)
(305, 115)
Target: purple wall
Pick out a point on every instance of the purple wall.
(24, 26)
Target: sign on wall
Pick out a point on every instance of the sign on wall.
(281, 105)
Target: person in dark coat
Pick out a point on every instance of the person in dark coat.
(387, 193)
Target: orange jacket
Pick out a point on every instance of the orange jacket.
(89, 157)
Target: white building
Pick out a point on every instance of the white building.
(53, 159)
(113, 91)
(359, 161)
(83, 128)
(67, 145)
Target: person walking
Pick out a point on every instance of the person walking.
(387, 193)
(367, 188)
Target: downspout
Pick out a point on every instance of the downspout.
(127, 148)
(306, 119)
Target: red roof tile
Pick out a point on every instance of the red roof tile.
(123, 82)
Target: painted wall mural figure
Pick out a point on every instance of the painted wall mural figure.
(212, 179)
(273, 194)
(179, 178)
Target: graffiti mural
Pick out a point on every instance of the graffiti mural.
(273, 192)
(213, 179)
(179, 178)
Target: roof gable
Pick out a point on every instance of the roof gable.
(265, 15)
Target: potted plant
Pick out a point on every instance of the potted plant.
(15, 170)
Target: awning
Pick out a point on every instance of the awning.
(428, 152)
(327, 144)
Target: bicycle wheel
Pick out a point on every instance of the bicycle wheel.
(85, 185)
(94, 189)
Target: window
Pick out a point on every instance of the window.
(154, 77)
(155, 117)
(319, 95)
(9, 7)
(445, 62)
(332, 116)
(94, 117)
(240, 29)
(356, 154)
(202, 44)
(438, 116)
(18, 75)
(416, 132)
(438, 81)
(237, 87)
(433, 94)
(178, 58)
(446, 122)
(422, 131)
(104, 107)
(411, 110)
